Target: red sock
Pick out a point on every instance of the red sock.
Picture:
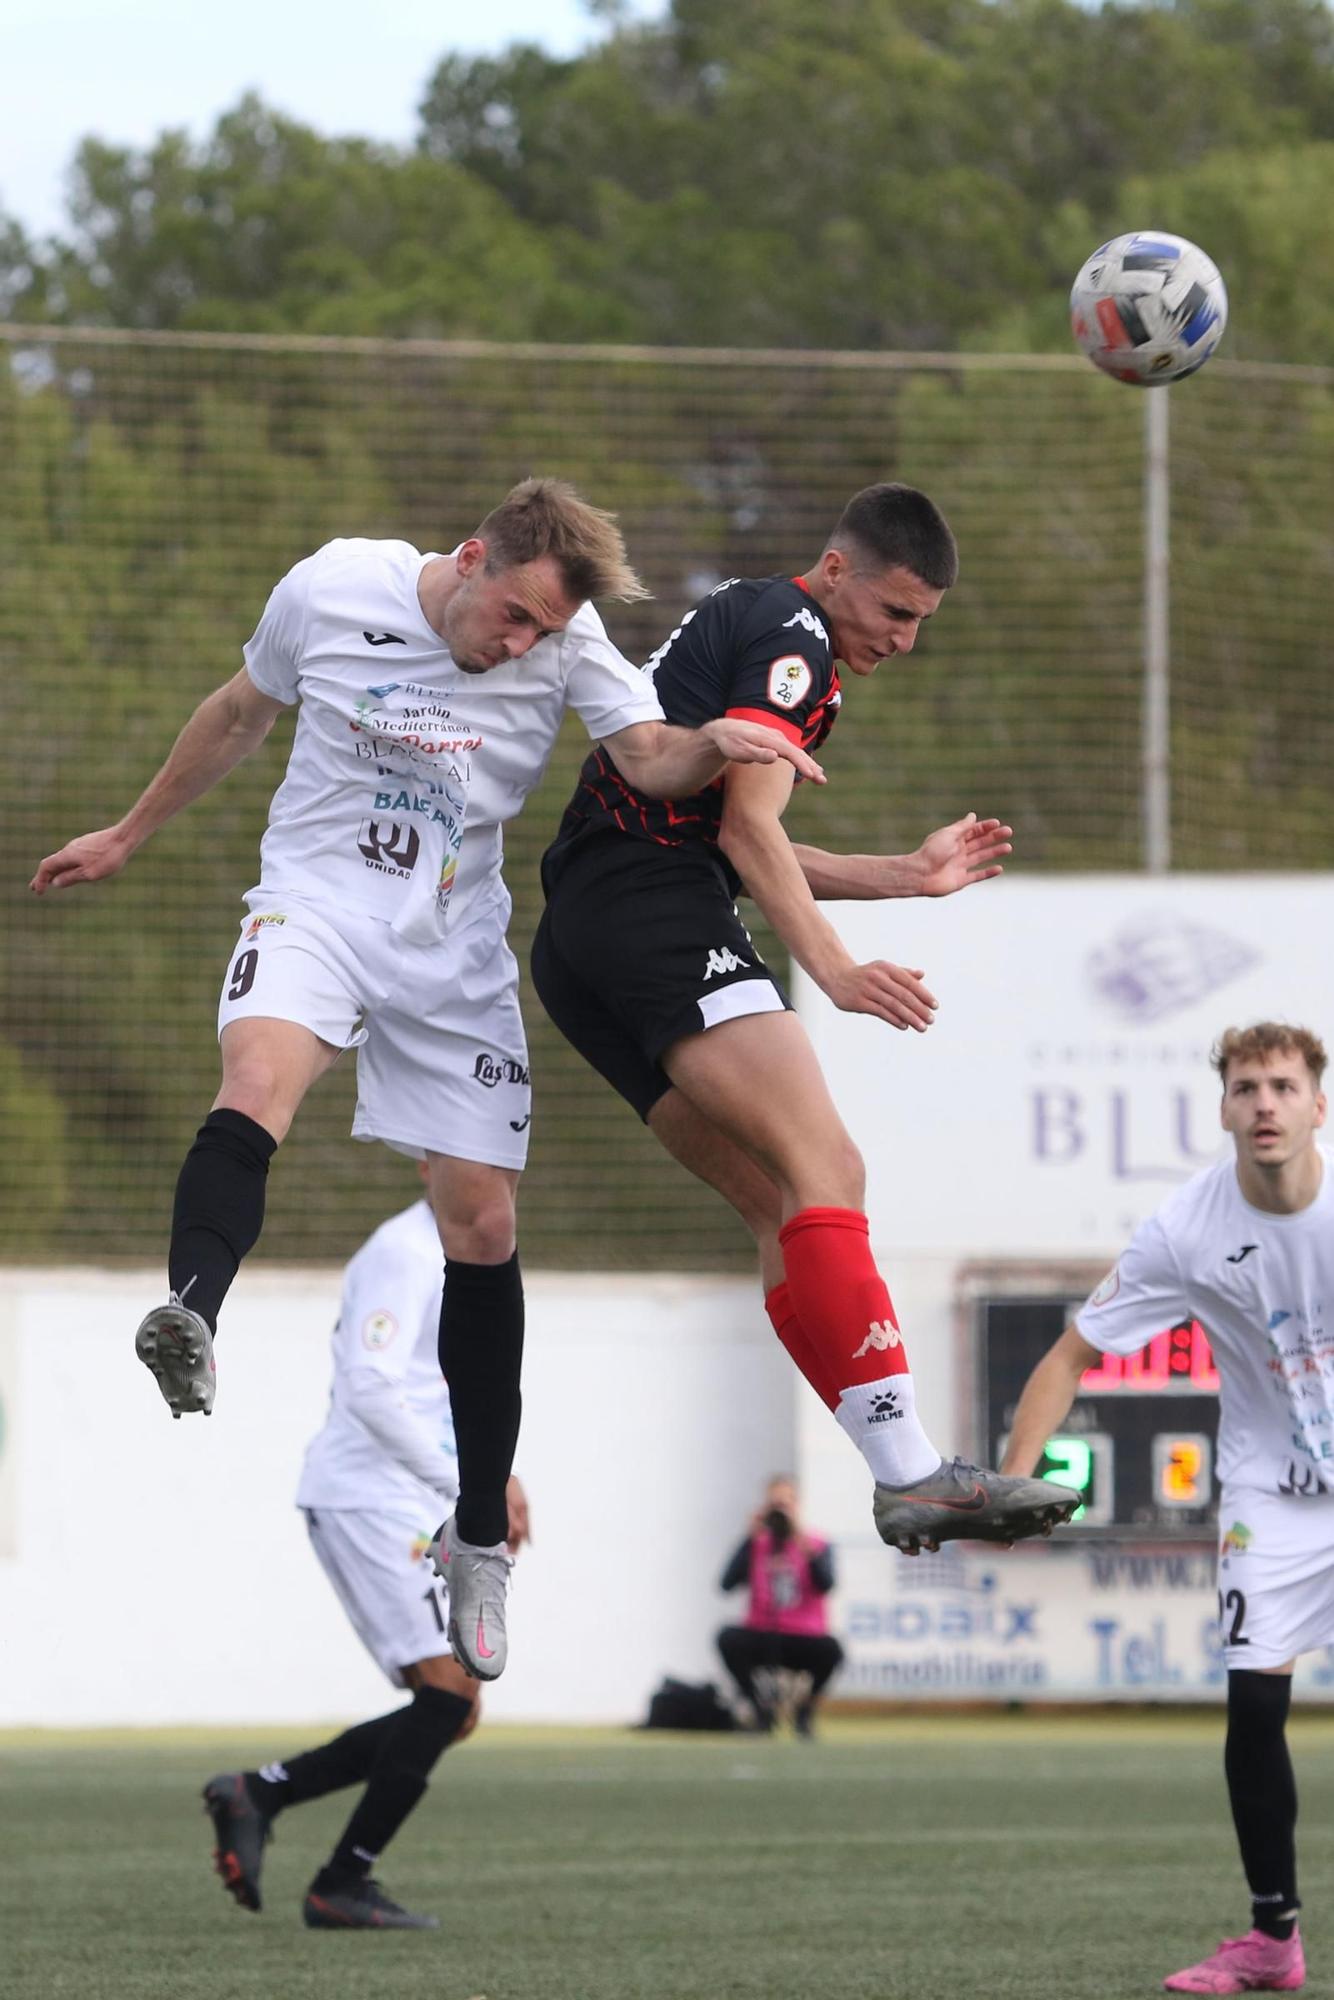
(783, 1315)
(840, 1298)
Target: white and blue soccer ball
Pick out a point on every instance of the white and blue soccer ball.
(1148, 308)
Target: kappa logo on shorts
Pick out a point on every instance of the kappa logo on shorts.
(723, 961)
(389, 847)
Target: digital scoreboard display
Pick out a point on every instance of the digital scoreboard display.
(1139, 1442)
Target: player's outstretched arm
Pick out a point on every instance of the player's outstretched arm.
(671, 763)
(751, 836)
(1045, 1402)
(968, 850)
(226, 726)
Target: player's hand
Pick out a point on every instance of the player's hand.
(893, 993)
(755, 743)
(519, 1531)
(970, 850)
(90, 858)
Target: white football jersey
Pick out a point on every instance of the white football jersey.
(1257, 1283)
(389, 1324)
(397, 751)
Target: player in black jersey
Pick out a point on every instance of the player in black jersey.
(644, 964)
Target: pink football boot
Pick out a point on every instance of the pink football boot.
(1251, 1964)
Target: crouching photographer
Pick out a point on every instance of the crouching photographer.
(789, 1574)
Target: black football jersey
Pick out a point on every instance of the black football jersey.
(758, 649)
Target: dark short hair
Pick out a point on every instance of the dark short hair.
(896, 527)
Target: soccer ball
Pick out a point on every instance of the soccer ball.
(1148, 308)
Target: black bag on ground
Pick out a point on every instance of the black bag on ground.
(687, 1705)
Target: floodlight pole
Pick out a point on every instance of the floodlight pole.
(1155, 737)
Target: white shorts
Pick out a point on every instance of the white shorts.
(442, 1062)
(1275, 1576)
(377, 1563)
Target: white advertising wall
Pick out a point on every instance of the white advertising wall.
(1063, 1091)
(1064, 1088)
(156, 1572)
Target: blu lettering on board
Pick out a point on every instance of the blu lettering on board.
(1137, 1141)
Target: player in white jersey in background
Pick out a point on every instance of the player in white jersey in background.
(372, 1486)
(1247, 1247)
(431, 689)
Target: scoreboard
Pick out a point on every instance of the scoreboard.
(1139, 1442)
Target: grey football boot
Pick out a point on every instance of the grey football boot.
(241, 1829)
(336, 1903)
(960, 1502)
(477, 1580)
(177, 1346)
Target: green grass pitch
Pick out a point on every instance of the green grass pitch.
(1006, 1858)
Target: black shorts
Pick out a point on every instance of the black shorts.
(639, 945)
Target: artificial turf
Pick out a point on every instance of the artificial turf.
(1013, 1857)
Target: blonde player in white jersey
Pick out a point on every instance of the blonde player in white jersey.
(1247, 1247)
(430, 691)
(374, 1480)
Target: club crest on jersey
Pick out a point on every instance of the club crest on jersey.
(378, 1329)
(1108, 1289)
(789, 680)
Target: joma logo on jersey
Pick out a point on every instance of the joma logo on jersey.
(723, 961)
(881, 1335)
(808, 621)
(389, 847)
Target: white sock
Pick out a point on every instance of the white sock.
(881, 1419)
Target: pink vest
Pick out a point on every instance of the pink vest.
(782, 1596)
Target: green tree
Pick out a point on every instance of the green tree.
(268, 227)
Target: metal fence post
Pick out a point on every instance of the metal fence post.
(1155, 742)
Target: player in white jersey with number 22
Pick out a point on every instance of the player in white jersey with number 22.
(1247, 1247)
(430, 689)
(372, 1486)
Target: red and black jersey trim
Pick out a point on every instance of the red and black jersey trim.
(663, 820)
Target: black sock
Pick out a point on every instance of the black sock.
(406, 1758)
(219, 1209)
(348, 1760)
(481, 1356)
(1263, 1792)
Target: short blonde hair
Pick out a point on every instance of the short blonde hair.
(546, 517)
(1264, 1039)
